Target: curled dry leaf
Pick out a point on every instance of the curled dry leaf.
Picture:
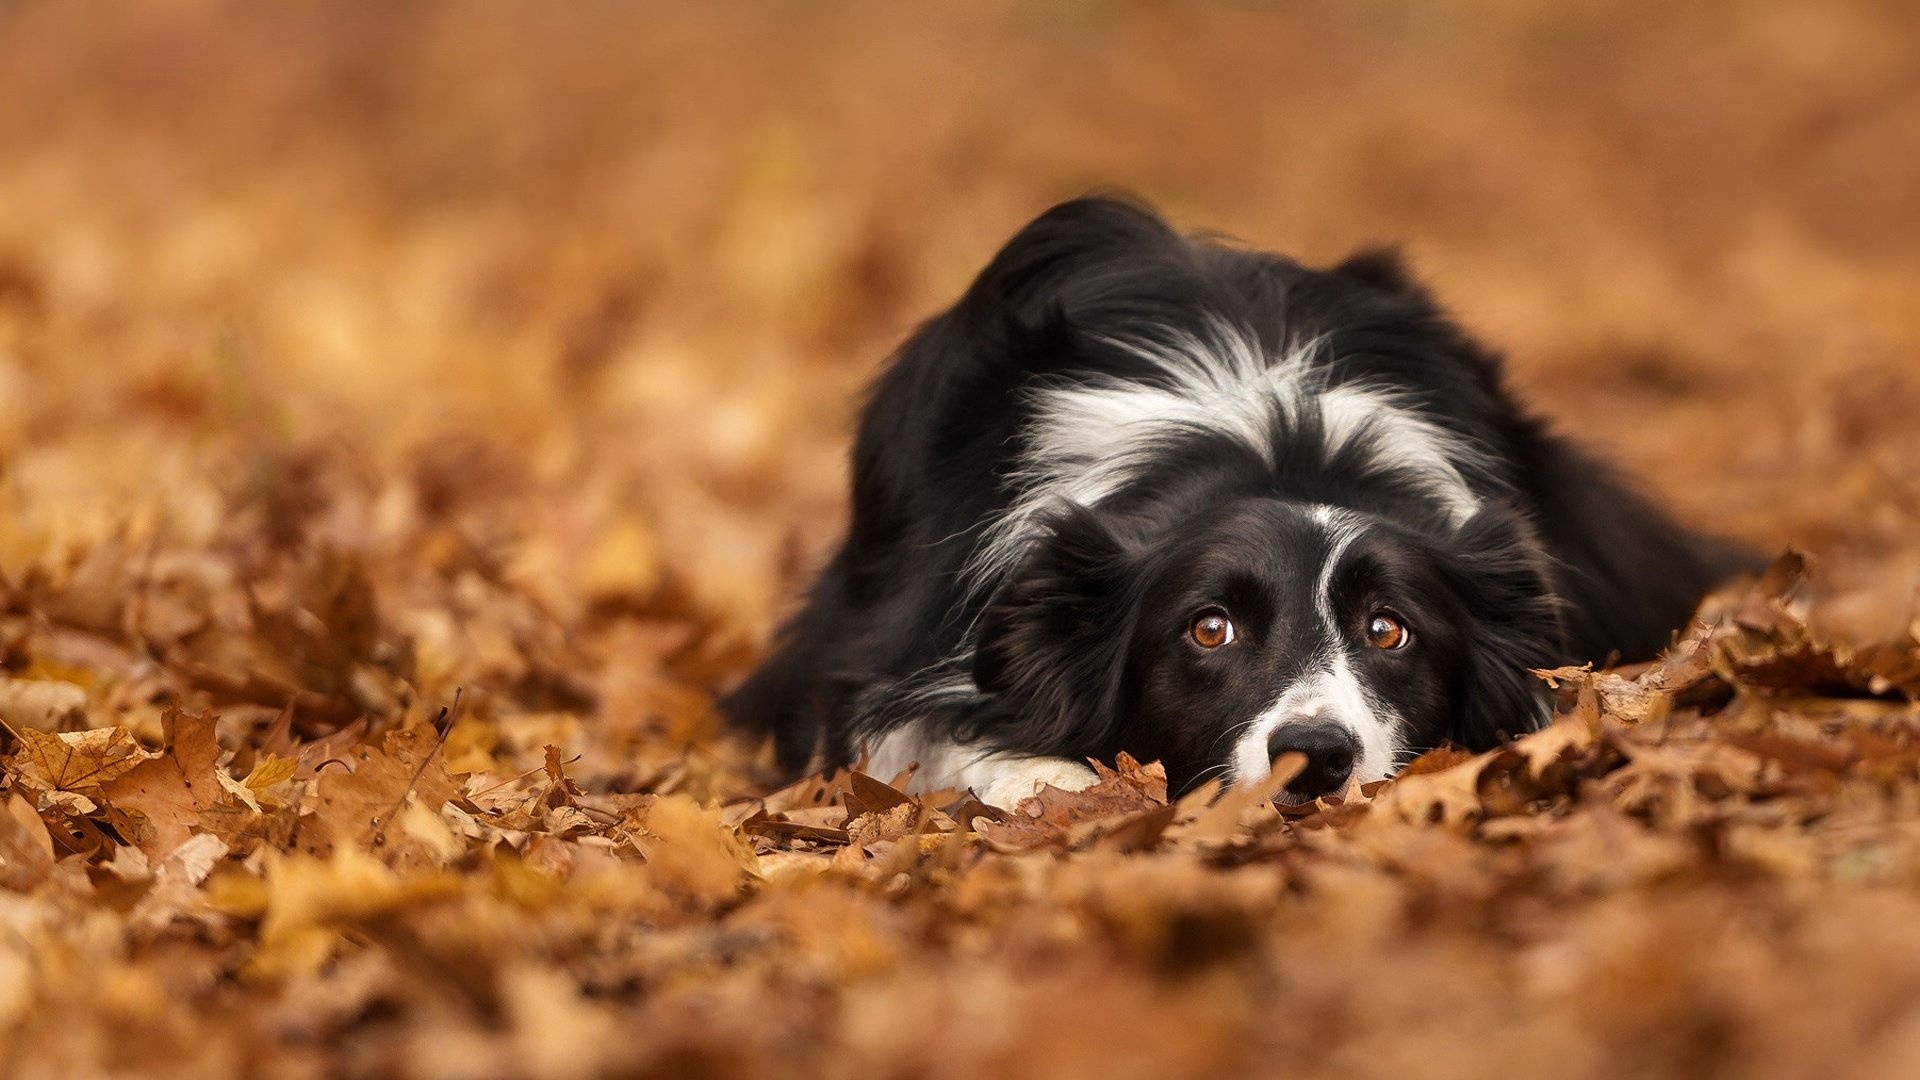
(1128, 796)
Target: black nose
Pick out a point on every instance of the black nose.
(1329, 750)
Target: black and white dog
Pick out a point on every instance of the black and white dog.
(1204, 505)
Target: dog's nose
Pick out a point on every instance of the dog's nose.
(1329, 748)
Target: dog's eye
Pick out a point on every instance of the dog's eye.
(1385, 631)
(1210, 628)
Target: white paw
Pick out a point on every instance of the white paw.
(1021, 778)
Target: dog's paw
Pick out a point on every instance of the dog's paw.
(1023, 778)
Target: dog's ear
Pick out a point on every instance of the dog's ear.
(1052, 640)
(1501, 574)
(1070, 243)
(1385, 269)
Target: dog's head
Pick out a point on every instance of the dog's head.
(1264, 626)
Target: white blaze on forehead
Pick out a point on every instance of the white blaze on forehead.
(1331, 692)
(1341, 526)
(1089, 440)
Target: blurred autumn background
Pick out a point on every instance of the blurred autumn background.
(353, 355)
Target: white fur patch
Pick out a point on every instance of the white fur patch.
(1342, 526)
(1331, 694)
(1017, 778)
(1087, 442)
(998, 779)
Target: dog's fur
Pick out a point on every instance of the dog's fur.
(1118, 431)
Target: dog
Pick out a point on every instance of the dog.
(1151, 493)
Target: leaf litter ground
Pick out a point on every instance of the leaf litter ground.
(409, 422)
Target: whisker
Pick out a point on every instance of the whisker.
(1209, 772)
(1231, 734)
(1233, 731)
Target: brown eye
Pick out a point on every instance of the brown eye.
(1384, 631)
(1210, 629)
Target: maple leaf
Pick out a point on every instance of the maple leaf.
(163, 797)
(358, 802)
(68, 770)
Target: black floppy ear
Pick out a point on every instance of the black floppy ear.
(1062, 245)
(1501, 575)
(1383, 268)
(1053, 637)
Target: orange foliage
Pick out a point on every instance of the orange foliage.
(412, 415)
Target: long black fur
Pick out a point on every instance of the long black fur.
(1562, 564)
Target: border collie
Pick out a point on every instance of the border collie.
(1144, 492)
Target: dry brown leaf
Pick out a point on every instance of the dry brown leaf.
(68, 770)
(42, 704)
(358, 800)
(26, 849)
(312, 437)
(1449, 796)
(1056, 818)
(164, 798)
(689, 848)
